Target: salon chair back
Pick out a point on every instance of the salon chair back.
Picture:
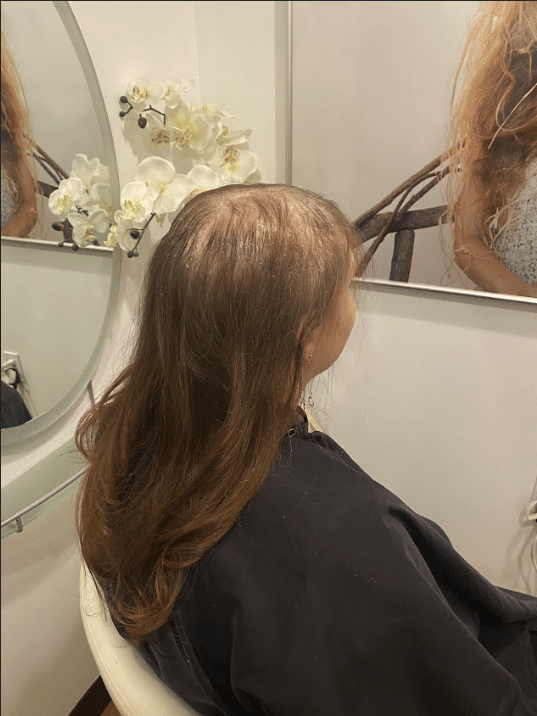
(133, 687)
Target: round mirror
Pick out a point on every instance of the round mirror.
(57, 303)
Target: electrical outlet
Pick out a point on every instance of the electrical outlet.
(15, 360)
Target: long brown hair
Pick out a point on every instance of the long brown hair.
(493, 128)
(17, 143)
(185, 436)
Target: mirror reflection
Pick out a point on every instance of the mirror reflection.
(48, 116)
(54, 300)
(442, 197)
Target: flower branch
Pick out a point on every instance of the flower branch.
(188, 150)
(191, 149)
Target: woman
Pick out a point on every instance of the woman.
(493, 183)
(19, 186)
(256, 566)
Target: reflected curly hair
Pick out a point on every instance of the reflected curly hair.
(493, 129)
(17, 142)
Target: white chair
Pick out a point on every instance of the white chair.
(133, 687)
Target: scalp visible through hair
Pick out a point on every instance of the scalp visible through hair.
(231, 210)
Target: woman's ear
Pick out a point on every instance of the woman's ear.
(308, 356)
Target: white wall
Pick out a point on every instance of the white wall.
(42, 636)
(46, 664)
(435, 397)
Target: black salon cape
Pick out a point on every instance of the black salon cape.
(14, 410)
(330, 597)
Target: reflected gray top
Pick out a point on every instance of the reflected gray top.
(517, 243)
(9, 205)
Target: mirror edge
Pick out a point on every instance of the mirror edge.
(13, 438)
(448, 291)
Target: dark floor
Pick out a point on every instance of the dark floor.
(110, 710)
(95, 702)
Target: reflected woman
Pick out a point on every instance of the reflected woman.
(493, 183)
(19, 186)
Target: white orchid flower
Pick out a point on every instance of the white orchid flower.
(160, 131)
(137, 202)
(89, 171)
(99, 195)
(233, 165)
(70, 194)
(116, 229)
(120, 233)
(161, 136)
(217, 112)
(87, 227)
(173, 91)
(203, 178)
(193, 130)
(112, 239)
(144, 91)
(172, 188)
(101, 176)
(233, 138)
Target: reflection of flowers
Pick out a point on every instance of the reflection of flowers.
(89, 171)
(86, 228)
(69, 194)
(99, 194)
(84, 200)
(197, 151)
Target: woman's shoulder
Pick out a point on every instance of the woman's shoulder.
(311, 474)
(316, 508)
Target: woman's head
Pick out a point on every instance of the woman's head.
(493, 128)
(238, 287)
(245, 299)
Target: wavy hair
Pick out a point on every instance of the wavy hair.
(17, 143)
(185, 436)
(493, 127)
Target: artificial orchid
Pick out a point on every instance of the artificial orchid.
(70, 194)
(197, 151)
(88, 227)
(84, 200)
(160, 176)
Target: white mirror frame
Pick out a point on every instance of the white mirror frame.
(14, 438)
